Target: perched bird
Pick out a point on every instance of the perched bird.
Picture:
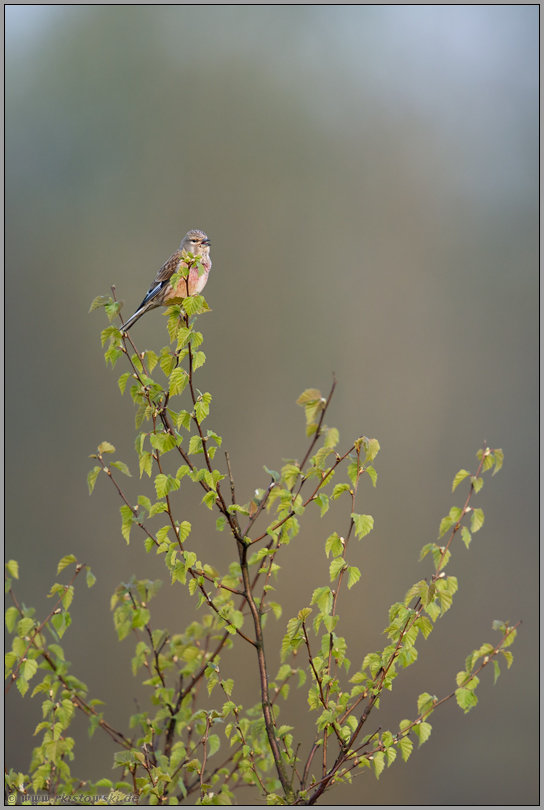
(161, 293)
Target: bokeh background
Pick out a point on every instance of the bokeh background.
(368, 177)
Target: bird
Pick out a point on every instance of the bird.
(161, 293)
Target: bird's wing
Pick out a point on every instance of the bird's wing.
(170, 267)
(162, 278)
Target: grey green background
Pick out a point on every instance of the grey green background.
(368, 178)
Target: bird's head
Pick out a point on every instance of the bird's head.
(197, 243)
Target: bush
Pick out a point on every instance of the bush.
(174, 750)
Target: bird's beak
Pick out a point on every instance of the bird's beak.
(206, 242)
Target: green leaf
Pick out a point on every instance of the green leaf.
(372, 473)
(332, 437)
(290, 473)
(378, 760)
(425, 702)
(165, 484)
(167, 361)
(476, 520)
(276, 609)
(113, 308)
(354, 575)
(497, 671)
(322, 597)
(29, 669)
(363, 524)
(477, 483)
(13, 568)
(466, 536)
(424, 625)
(123, 379)
(499, 458)
(466, 699)
(184, 333)
(121, 466)
(90, 578)
(128, 519)
(423, 731)
(334, 544)
(12, 614)
(202, 407)
(198, 360)
(209, 499)
(177, 381)
(406, 746)
(453, 517)
(337, 565)
(22, 685)
(100, 301)
(461, 475)
(195, 446)
(195, 305)
(91, 478)
(488, 459)
(106, 447)
(146, 463)
(371, 448)
(322, 501)
(509, 657)
(184, 530)
(65, 562)
(339, 489)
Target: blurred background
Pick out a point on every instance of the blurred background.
(368, 177)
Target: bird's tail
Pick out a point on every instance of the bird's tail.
(131, 321)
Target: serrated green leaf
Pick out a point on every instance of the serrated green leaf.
(466, 699)
(195, 446)
(371, 448)
(91, 478)
(476, 520)
(373, 474)
(334, 545)
(209, 499)
(100, 301)
(423, 731)
(405, 745)
(509, 657)
(322, 597)
(497, 671)
(106, 447)
(499, 458)
(322, 501)
(461, 475)
(378, 761)
(354, 575)
(121, 466)
(12, 614)
(425, 702)
(466, 536)
(337, 565)
(123, 379)
(198, 360)
(177, 381)
(363, 524)
(339, 489)
(65, 562)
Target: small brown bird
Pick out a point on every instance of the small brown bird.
(161, 292)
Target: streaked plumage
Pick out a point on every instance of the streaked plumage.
(161, 292)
